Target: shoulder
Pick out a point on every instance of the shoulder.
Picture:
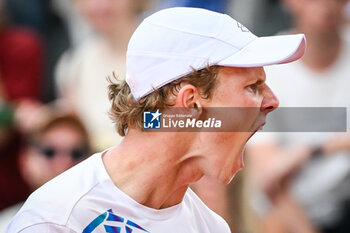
(54, 201)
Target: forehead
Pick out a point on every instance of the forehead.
(243, 74)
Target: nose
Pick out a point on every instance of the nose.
(270, 101)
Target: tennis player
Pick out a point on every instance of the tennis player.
(187, 58)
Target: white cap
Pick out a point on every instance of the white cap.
(168, 43)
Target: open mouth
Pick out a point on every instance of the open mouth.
(256, 130)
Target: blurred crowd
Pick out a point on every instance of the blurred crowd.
(56, 56)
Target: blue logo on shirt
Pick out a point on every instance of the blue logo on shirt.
(109, 217)
(151, 119)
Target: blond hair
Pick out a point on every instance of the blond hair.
(127, 113)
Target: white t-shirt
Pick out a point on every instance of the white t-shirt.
(322, 184)
(84, 199)
(7, 214)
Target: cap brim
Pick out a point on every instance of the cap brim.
(268, 51)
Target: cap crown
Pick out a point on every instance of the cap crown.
(169, 43)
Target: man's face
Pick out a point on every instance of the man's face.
(243, 90)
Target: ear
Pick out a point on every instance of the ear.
(189, 97)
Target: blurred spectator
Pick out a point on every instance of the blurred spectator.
(82, 72)
(40, 16)
(56, 143)
(21, 69)
(304, 178)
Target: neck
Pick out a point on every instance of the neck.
(159, 184)
(322, 49)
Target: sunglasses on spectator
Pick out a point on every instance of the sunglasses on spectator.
(75, 153)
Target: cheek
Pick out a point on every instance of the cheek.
(243, 113)
(226, 145)
(239, 96)
(251, 100)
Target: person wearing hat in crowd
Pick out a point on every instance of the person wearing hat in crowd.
(57, 141)
(187, 58)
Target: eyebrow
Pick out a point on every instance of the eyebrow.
(257, 80)
(260, 81)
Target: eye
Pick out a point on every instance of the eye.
(253, 88)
